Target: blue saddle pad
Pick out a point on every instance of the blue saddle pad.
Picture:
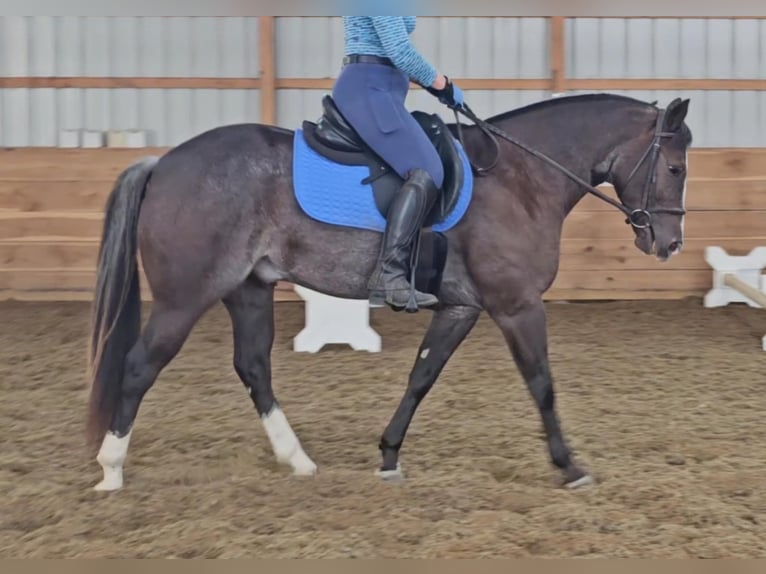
(333, 193)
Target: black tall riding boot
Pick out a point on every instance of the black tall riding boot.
(405, 218)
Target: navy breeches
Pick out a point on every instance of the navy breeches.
(371, 97)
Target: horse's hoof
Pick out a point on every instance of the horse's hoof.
(581, 482)
(392, 476)
(111, 481)
(304, 466)
(108, 485)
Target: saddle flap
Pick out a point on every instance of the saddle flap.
(333, 130)
(332, 151)
(454, 171)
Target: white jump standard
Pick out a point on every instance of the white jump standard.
(737, 279)
(335, 321)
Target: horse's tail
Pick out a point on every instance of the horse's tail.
(116, 311)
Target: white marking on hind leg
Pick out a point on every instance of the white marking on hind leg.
(111, 457)
(586, 480)
(287, 448)
(395, 475)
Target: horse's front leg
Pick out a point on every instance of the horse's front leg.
(525, 331)
(448, 328)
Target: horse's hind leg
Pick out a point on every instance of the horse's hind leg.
(162, 338)
(448, 329)
(251, 308)
(526, 334)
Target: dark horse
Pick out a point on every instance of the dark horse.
(216, 220)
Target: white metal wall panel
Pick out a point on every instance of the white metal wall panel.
(313, 47)
(308, 47)
(459, 47)
(665, 48)
(718, 118)
(34, 117)
(127, 47)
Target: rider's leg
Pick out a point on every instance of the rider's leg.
(390, 282)
(371, 97)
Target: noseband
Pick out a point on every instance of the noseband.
(639, 218)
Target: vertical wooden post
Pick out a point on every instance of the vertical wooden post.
(268, 69)
(558, 55)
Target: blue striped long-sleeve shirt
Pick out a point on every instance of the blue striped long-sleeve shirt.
(388, 37)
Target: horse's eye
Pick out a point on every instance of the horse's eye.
(675, 169)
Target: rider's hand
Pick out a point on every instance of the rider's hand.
(449, 94)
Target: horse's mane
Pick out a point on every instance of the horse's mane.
(577, 98)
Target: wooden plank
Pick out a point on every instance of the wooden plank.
(712, 225)
(555, 294)
(268, 69)
(68, 285)
(75, 285)
(50, 226)
(104, 164)
(538, 84)
(213, 83)
(647, 84)
(741, 164)
(576, 254)
(40, 284)
(727, 163)
(609, 254)
(54, 164)
(91, 195)
(144, 83)
(41, 295)
(702, 195)
(20, 255)
(39, 196)
(62, 226)
(590, 282)
(63, 256)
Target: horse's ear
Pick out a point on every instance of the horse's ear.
(676, 114)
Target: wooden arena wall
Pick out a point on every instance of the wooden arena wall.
(51, 203)
(51, 199)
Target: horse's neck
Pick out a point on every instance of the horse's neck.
(578, 138)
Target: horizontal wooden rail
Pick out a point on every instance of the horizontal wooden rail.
(464, 83)
(725, 84)
(91, 82)
(33, 82)
(540, 84)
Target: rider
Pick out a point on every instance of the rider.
(370, 92)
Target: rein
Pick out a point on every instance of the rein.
(634, 216)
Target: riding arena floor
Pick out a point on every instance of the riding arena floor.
(663, 401)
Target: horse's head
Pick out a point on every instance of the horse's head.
(649, 175)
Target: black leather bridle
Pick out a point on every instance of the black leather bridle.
(639, 218)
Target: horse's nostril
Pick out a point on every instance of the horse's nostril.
(675, 247)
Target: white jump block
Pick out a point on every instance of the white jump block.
(69, 139)
(333, 321)
(748, 268)
(126, 139)
(737, 279)
(92, 139)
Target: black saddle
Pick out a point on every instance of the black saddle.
(334, 138)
